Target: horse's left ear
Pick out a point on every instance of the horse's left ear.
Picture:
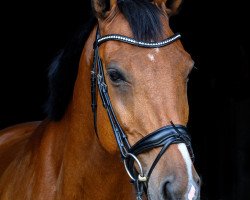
(100, 7)
(172, 5)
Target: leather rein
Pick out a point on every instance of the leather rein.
(162, 137)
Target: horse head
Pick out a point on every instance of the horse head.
(147, 89)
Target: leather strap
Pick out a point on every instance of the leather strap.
(162, 137)
(159, 137)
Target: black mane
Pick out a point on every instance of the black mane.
(63, 72)
(144, 20)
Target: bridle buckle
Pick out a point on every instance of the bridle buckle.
(142, 178)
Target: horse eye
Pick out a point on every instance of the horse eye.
(115, 76)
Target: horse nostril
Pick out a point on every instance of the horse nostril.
(171, 189)
(198, 181)
(166, 189)
(177, 190)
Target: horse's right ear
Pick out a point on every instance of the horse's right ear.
(100, 7)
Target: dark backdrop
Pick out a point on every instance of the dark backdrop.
(215, 34)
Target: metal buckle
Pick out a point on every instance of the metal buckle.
(141, 177)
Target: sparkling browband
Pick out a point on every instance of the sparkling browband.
(116, 37)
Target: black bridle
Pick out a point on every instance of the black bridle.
(162, 137)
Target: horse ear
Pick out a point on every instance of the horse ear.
(172, 5)
(100, 7)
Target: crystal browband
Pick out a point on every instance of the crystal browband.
(116, 37)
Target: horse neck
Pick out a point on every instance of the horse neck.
(84, 157)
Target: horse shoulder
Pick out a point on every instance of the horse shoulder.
(13, 140)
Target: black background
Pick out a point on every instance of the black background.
(214, 33)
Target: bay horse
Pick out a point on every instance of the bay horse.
(117, 115)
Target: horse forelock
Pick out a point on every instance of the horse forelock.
(143, 17)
